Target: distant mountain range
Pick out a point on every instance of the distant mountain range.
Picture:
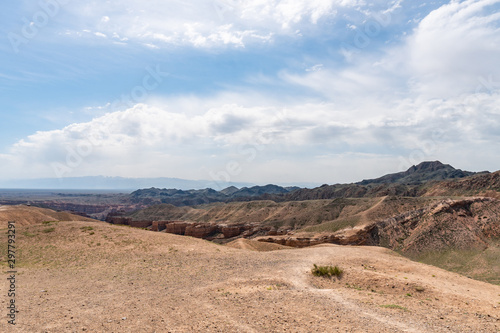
(197, 197)
(125, 184)
(408, 183)
(114, 183)
(422, 173)
(425, 179)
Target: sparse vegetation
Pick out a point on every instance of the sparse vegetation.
(327, 271)
(49, 230)
(394, 306)
(353, 286)
(479, 264)
(87, 228)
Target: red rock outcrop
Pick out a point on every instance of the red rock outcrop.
(200, 230)
(362, 236)
(231, 231)
(209, 231)
(178, 228)
(466, 223)
(140, 224)
(161, 225)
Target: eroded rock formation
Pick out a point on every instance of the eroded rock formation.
(458, 224)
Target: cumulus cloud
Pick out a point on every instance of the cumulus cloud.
(452, 55)
(152, 141)
(454, 47)
(201, 23)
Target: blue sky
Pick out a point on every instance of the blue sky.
(258, 91)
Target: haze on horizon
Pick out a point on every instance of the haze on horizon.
(326, 91)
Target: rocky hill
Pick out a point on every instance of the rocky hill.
(419, 174)
(410, 183)
(487, 184)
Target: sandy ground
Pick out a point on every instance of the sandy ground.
(27, 215)
(96, 277)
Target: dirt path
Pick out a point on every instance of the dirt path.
(364, 215)
(362, 222)
(301, 281)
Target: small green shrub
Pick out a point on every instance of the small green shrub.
(327, 271)
(86, 228)
(48, 230)
(394, 306)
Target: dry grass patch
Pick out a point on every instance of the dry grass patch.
(394, 306)
(327, 271)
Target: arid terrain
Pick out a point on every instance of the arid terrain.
(78, 276)
(415, 251)
(431, 213)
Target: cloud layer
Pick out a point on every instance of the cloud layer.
(432, 93)
(153, 141)
(201, 24)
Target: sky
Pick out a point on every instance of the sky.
(260, 91)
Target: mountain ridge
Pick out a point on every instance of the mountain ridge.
(418, 180)
(421, 173)
(410, 183)
(204, 196)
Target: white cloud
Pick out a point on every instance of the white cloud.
(454, 47)
(181, 139)
(202, 23)
(452, 55)
(315, 68)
